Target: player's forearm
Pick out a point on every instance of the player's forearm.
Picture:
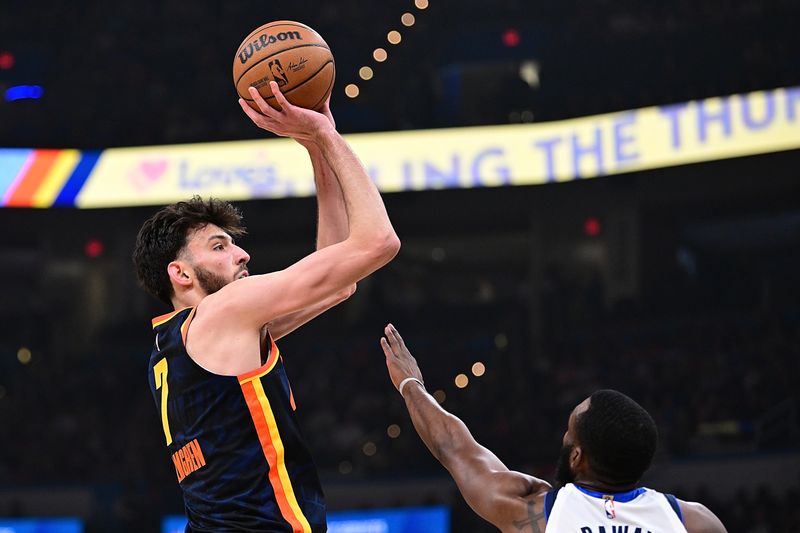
(443, 433)
(332, 224)
(367, 218)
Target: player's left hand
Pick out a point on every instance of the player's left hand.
(399, 361)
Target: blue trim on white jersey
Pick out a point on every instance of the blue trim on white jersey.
(549, 501)
(673, 502)
(621, 497)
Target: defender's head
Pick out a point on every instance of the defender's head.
(190, 246)
(610, 439)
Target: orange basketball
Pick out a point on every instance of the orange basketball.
(291, 54)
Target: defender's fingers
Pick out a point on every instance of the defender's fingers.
(397, 342)
(397, 336)
(387, 350)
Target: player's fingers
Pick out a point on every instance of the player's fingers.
(276, 92)
(397, 336)
(262, 104)
(391, 334)
(387, 350)
(254, 115)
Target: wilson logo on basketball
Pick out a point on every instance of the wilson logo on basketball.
(265, 40)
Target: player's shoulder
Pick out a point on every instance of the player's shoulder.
(699, 519)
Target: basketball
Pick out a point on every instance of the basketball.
(291, 54)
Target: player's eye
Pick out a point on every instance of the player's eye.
(218, 247)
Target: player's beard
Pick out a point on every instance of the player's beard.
(209, 281)
(564, 473)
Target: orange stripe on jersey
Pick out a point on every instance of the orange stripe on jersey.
(271, 444)
(157, 321)
(274, 354)
(185, 325)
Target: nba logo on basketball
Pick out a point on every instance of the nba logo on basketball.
(610, 512)
(276, 69)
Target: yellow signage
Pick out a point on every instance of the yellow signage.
(491, 156)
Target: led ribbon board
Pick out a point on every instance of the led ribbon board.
(487, 156)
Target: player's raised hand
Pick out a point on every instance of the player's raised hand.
(290, 121)
(399, 361)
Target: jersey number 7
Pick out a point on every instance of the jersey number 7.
(160, 371)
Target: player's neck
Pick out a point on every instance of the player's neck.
(187, 299)
(600, 486)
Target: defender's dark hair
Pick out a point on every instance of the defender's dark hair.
(618, 436)
(163, 236)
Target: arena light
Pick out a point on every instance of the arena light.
(93, 248)
(461, 381)
(369, 449)
(592, 226)
(366, 73)
(393, 431)
(24, 92)
(380, 55)
(394, 38)
(478, 369)
(511, 38)
(24, 355)
(439, 395)
(351, 90)
(7, 60)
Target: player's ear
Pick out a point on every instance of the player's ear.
(180, 273)
(576, 458)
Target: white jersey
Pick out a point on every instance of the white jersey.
(578, 510)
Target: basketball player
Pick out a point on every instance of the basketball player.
(608, 446)
(216, 374)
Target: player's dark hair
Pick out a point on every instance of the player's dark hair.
(618, 437)
(163, 236)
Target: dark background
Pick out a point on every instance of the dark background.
(687, 299)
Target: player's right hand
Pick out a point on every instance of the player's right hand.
(399, 361)
(291, 121)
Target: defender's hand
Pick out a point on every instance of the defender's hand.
(399, 361)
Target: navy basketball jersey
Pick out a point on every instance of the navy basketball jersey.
(238, 452)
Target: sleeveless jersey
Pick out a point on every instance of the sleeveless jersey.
(238, 452)
(573, 509)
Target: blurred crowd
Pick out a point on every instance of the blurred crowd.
(717, 383)
(154, 72)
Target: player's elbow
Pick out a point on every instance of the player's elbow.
(346, 293)
(387, 246)
(376, 248)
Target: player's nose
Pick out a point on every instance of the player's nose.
(242, 257)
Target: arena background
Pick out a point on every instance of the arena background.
(677, 285)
